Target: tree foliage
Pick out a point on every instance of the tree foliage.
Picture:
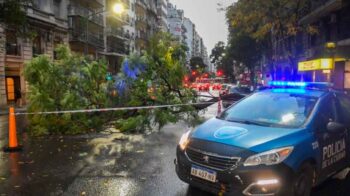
(72, 83)
(197, 63)
(157, 80)
(264, 25)
(217, 53)
(13, 14)
(68, 83)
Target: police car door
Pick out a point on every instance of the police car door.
(344, 114)
(332, 145)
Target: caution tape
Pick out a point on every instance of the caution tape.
(109, 109)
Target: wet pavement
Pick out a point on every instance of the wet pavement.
(106, 164)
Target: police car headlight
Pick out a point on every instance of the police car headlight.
(184, 140)
(271, 157)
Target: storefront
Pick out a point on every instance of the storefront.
(336, 71)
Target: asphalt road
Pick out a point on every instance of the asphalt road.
(111, 164)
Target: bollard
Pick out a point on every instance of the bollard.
(13, 142)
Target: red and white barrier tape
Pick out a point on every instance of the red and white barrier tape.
(111, 109)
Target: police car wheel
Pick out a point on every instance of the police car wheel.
(303, 181)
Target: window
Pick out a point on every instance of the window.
(37, 50)
(344, 109)
(12, 46)
(326, 114)
(265, 109)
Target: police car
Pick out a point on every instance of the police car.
(280, 141)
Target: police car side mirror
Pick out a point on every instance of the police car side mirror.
(335, 127)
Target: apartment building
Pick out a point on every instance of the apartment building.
(175, 18)
(88, 26)
(152, 17)
(141, 25)
(48, 20)
(118, 35)
(162, 13)
(197, 44)
(130, 27)
(332, 19)
(190, 28)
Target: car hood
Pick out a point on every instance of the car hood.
(239, 135)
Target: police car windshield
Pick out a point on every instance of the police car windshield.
(272, 109)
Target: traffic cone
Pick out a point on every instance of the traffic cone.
(13, 143)
(219, 106)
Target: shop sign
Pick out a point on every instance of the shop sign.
(317, 64)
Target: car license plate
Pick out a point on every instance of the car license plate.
(203, 173)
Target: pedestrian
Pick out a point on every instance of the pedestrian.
(18, 97)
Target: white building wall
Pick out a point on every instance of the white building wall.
(131, 26)
(175, 21)
(189, 37)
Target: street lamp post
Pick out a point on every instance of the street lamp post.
(118, 8)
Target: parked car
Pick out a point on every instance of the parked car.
(234, 94)
(203, 86)
(216, 86)
(224, 89)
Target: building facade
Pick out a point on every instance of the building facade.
(162, 13)
(332, 19)
(141, 25)
(190, 28)
(175, 20)
(88, 26)
(48, 21)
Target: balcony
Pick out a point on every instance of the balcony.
(142, 35)
(152, 8)
(76, 10)
(93, 39)
(125, 19)
(117, 47)
(95, 4)
(118, 33)
(141, 3)
(320, 9)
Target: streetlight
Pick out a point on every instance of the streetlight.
(117, 8)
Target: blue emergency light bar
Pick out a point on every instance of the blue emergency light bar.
(287, 84)
(291, 84)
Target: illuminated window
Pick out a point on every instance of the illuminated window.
(10, 89)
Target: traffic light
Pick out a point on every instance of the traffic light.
(109, 76)
(186, 78)
(219, 73)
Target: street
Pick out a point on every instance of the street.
(109, 163)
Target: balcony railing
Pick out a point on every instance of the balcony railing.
(120, 33)
(119, 47)
(84, 12)
(142, 35)
(93, 39)
(13, 49)
(142, 3)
